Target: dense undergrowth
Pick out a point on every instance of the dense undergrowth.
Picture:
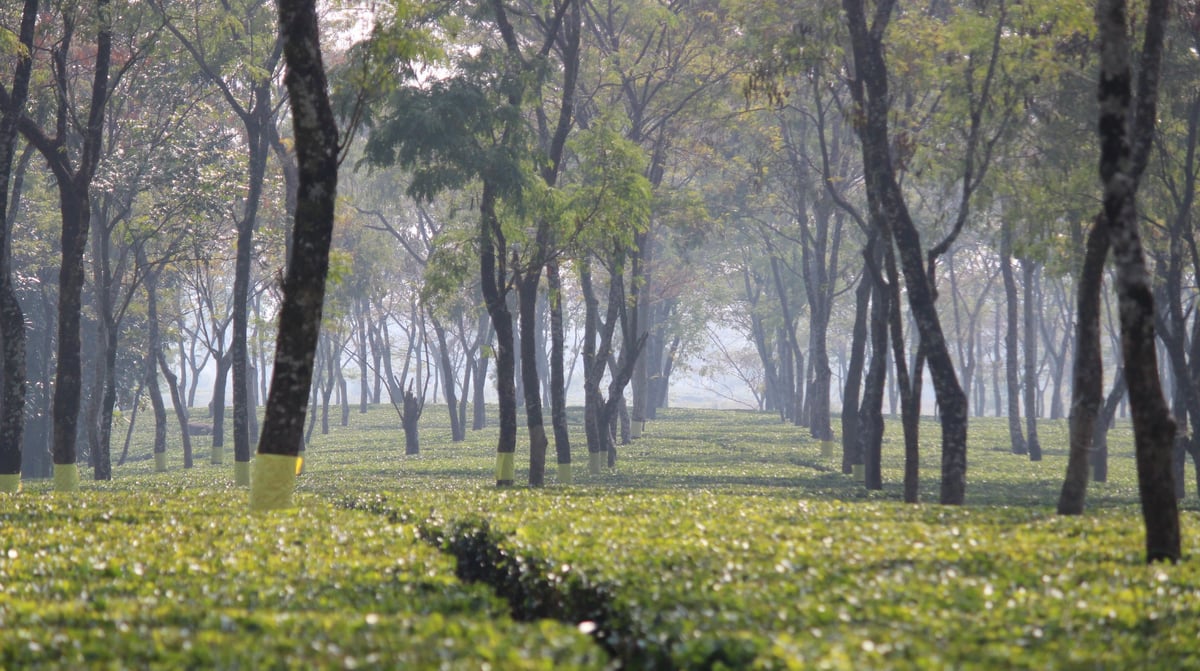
(723, 540)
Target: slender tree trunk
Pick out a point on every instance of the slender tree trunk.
(259, 147)
(858, 345)
(1011, 352)
(457, 432)
(870, 413)
(1031, 363)
(890, 212)
(492, 259)
(558, 387)
(527, 293)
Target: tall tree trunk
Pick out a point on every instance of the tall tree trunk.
(258, 142)
(478, 406)
(870, 413)
(1120, 161)
(493, 274)
(304, 283)
(890, 212)
(1031, 363)
(1011, 352)
(12, 320)
(558, 387)
(858, 345)
(457, 432)
(527, 293)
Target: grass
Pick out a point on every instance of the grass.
(723, 540)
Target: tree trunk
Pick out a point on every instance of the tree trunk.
(1011, 353)
(870, 413)
(258, 143)
(850, 397)
(527, 293)
(457, 432)
(1120, 168)
(304, 282)
(410, 420)
(1031, 363)
(558, 387)
(1087, 373)
(12, 320)
(890, 212)
(492, 260)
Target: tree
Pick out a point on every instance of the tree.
(889, 212)
(12, 320)
(73, 172)
(1125, 141)
(242, 74)
(1126, 130)
(316, 141)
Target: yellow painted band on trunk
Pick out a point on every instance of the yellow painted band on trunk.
(505, 466)
(218, 454)
(66, 477)
(160, 462)
(241, 473)
(594, 462)
(826, 448)
(273, 482)
(565, 476)
(10, 483)
(300, 464)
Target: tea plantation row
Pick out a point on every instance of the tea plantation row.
(723, 540)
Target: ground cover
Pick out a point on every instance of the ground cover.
(725, 540)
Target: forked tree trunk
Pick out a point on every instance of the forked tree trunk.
(889, 210)
(1121, 159)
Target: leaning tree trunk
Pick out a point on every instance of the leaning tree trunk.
(304, 283)
(890, 212)
(1087, 373)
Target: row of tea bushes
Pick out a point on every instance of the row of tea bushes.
(160, 576)
(714, 580)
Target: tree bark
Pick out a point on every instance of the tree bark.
(558, 387)
(1011, 353)
(493, 274)
(527, 293)
(1120, 158)
(304, 282)
(1087, 372)
(1031, 363)
(890, 212)
(12, 319)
